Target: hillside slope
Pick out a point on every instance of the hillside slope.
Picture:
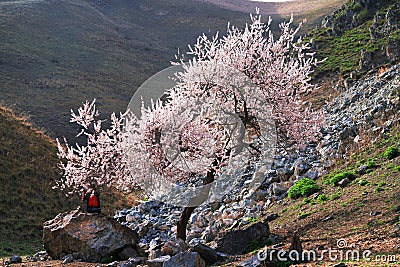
(27, 168)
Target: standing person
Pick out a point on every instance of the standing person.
(92, 197)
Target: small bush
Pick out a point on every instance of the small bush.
(322, 198)
(391, 152)
(340, 176)
(379, 189)
(303, 188)
(363, 182)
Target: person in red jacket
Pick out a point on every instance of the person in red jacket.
(92, 197)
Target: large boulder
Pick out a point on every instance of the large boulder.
(185, 259)
(239, 241)
(89, 237)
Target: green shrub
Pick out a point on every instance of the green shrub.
(391, 152)
(340, 176)
(363, 182)
(379, 189)
(322, 198)
(303, 188)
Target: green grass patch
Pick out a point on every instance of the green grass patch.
(391, 152)
(322, 198)
(303, 188)
(335, 179)
(363, 182)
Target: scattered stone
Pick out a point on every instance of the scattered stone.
(251, 262)
(375, 213)
(186, 259)
(15, 259)
(311, 175)
(39, 256)
(362, 169)
(344, 182)
(158, 262)
(153, 254)
(67, 259)
(113, 264)
(173, 247)
(326, 219)
(92, 237)
(132, 262)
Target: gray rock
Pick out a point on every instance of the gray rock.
(278, 189)
(40, 256)
(344, 182)
(251, 262)
(67, 259)
(158, 262)
(113, 264)
(362, 169)
(132, 262)
(15, 259)
(147, 206)
(185, 259)
(311, 174)
(92, 237)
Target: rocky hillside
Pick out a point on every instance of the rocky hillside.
(360, 36)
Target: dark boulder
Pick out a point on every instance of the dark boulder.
(239, 241)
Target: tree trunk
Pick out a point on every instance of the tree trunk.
(183, 221)
(187, 211)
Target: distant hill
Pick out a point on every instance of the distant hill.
(55, 54)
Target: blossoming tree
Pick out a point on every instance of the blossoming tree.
(235, 98)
